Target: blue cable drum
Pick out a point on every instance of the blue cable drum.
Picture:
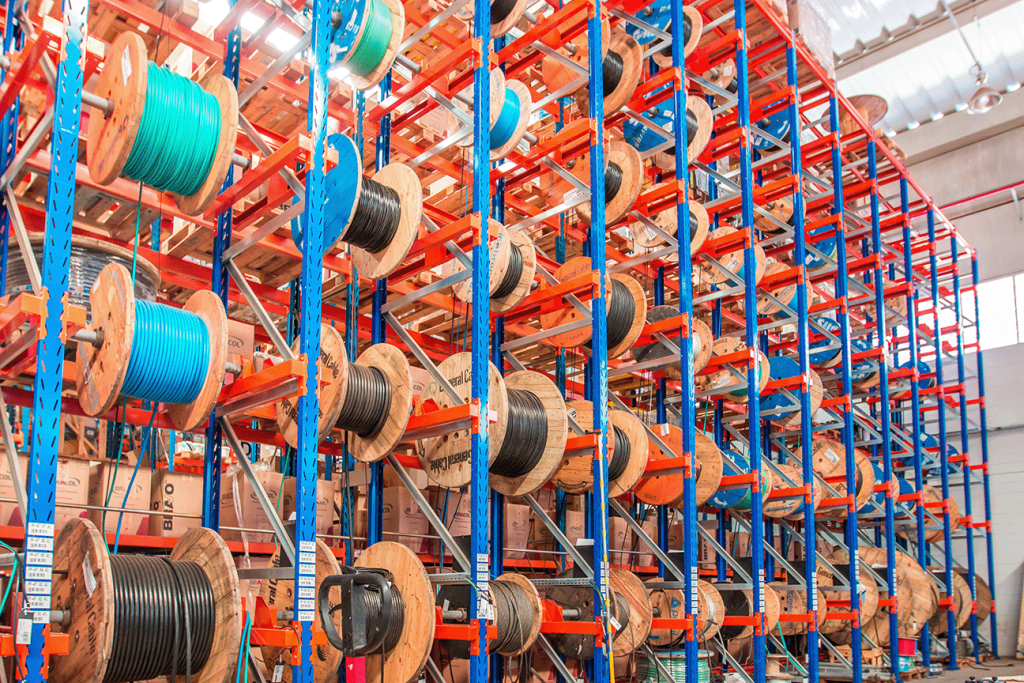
(660, 17)
(507, 121)
(879, 496)
(862, 370)
(821, 357)
(731, 497)
(643, 138)
(923, 368)
(780, 367)
(826, 246)
(342, 186)
(776, 125)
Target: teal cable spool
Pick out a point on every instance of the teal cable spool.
(373, 44)
(170, 354)
(505, 126)
(178, 135)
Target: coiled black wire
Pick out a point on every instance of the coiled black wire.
(512, 274)
(500, 9)
(525, 437)
(375, 221)
(164, 618)
(622, 612)
(612, 181)
(691, 131)
(621, 310)
(611, 71)
(513, 616)
(367, 401)
(687, 32)
(373, 602)
(620, 456)
(694, 224)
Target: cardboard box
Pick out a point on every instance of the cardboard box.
(807, 19)
(650, 527)
(706, 553)
(457, 516)
(138, 498)
(620, 538)
(240, 508)
(402, 515)
(324, 503)
(517, 530)
(72, 489)
(177, 492)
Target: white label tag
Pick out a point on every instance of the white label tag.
(484, 609)
(831, 455)
(664, 430)
(572, 413)
(307, 592)
(307, 558)
(305, 605)
(38, 573)
(41, 602)
(40, 529)
(90, 579)
(307, 616)
(41, 617)
(615, 624)
(24, 634)
(45, 559)
(278, 673)
(44, 543)
(307, 581)
(126, 66)
(307, 546)
(37, 587)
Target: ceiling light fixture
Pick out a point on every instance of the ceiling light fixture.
(984, 98)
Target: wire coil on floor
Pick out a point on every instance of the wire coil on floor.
(525, 438)
(163, 618)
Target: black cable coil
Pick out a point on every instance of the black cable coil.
(687, 32)
(691, 131)
(612, 181)
(367, 401)
(694, 224)
(500, 9)
(733, 86)
(513, 616)
(621, 311)
(512, 274)
(164, 618)
(611, 71)
(622, 612)
(373, 607)
(376, 218)
(525, 437)
(620, 456)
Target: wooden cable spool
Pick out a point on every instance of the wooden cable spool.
(668, 222)
(501, 243)
(83, 584)
(867, 589)
(632, 56)
(721, 381)
(355, 14)
(793, 601)
(784, 294)
(632, 166)
(123, 80)
(739, 603)
(829, 462)
(634, 630)
(934, 532)
(559, 77)
(783, 507)
(670, 603)
(700, 333)
(981, 590)
(575, 474)
(101, 370)
(667, 489)
(732, 261)
(581, 265)
(924, 603)
(702, 136)
(962, 604)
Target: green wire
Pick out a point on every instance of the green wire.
(178, 135)
(14, 569)
(373, 44)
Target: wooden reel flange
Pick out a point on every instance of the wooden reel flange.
(575, 267)
(628, 159)
(732, 262)
(668, 221)
(404, 663)
(700, 333)
(86, 590)
(702, 135)
(663, 58)
(720, 379)
(355, 19)
(740, 603)
(123, 80)
(525, 110)
(632, 56)
(332, 378)
(101, 370)
(575, 474)
(501, 244)
(632, 632)
(558, 76)
(558, 425)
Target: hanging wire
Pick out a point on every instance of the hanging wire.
(526, 435)
(367, 403)
(376, 218)
(170, 355)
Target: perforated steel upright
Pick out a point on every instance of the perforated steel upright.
(14, 38)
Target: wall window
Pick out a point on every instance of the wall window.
(1000, 302)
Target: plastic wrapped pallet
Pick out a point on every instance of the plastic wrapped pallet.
(807, 19)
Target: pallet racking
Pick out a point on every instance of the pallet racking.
(835, 180)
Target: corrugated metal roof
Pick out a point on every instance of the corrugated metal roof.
(853, 20)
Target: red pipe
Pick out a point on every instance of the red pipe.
(966, 200)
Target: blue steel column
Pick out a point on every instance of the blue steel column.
(46, 386)
(843, 315)
(915, 397)
(883, 396)
(750, 306)
(309, 342)
(944, 467)
(661, 417)
(220, 284)
(14, 39)
(954, 252)
(479, 487)
(983, 421)
(598, 365)
(802, 335)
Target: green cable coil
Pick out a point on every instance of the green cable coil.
(178, 134)
(373, 44)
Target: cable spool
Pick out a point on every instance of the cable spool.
(620, 74)
(793, 601)
(738, 498)
(699, 332)
(934, 531)
(88, 257)
(721, 381)
(627, 453)
(924, 606)
(733, 261)
(878, 628)
(722, 76)
(377, 217)
(699, 126)
(783, 507)
(670, 603)
(864, 373)
(926, 378)
(526, 441)
(370, 399)
(780, 408)
(667, 489)
(826, 357)
(152, 351)
(740, 603)
(827, 246)
(576, 267)
(558, 77)
(279, 594)
(513, 259)
(867, 589)
(817, 495)
(771, 299)
(163, 129)
(776, 125)
(517, 609)
(674, 662)
(618, 201)
(365, 38)
(962, 604)
(828, 458)
(780, 209)
(505, 14)
(123, 627)
(621, 314)
(668, 221)
(659, 15)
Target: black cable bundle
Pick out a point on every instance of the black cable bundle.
(513, 616)
(733, 86)
(687, 32)
(694, 224)
(525, 437)
(164, 618)
(611, 71)
(373, 606)
(691, 131)
(367, 401)
(376, 218)
(612, 181)
(621, 310)
(512, 274)
(622, 612)
(620, 456)
(500, 9)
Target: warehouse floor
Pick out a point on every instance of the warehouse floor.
(1003, 669)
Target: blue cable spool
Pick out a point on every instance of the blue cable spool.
(660, 17)
(923, 368)
(642, 137)
(879, 496)
(776, 125)
(780, 367)
(343, 184)
(826, 246)
(162, 335)
(822, 357)
(731, 497)
(507, 121)
(864, 369)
